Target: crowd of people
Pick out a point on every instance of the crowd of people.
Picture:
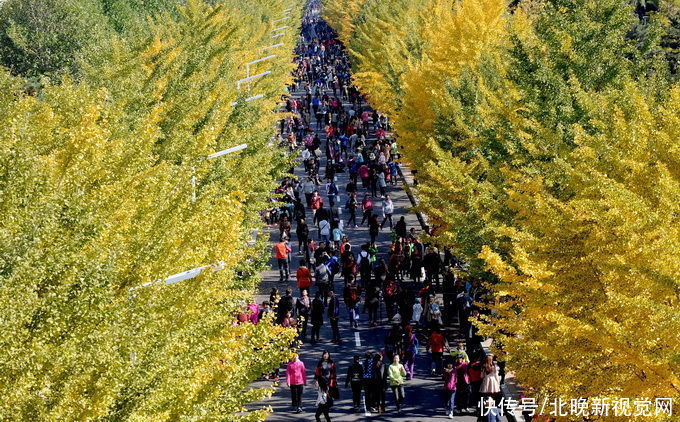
(465, 384)
(421, 289)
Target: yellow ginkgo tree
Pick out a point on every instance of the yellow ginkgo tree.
(546, 141)
(97, 199)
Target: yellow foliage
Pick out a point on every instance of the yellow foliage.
(549, 158)
(96, 199)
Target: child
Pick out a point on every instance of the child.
(460, 351)
(274, 298)
(417, 313)
(450, 385)
(324, 401)
(337, 237)
(463, 383)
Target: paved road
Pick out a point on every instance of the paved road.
(424, 399)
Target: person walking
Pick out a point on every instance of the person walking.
(354, 379)
(351, 205)
(373, 175)
(352, 296)
(326, 369)
(367, 208)
(382, 183)
(396, 374)
(372, 304)
(284, 227)
(324, 401)
(348, 262)
(296, 378)
(417, 313)
(369, 398)
(410, 351)
(324, 231)
(308, 188)
(332, 192)
(364, 264)
(316, 316)
(302, 232)
(400, 228)
(380, 377)
(436, 344)
(463, 391)
(316, 203)
(387, 211)
(491, 384)
(286, 305)
(432, 263)
(450, 378)
(337, 236)
(334, 316)
(364, 175)
(302, 307)
(304, 277)
(281, 251)
(322, 276)
(373, 227)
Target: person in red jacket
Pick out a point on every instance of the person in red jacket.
(281, 251)
(296, 378)
(364, 175)
(352, 296)
(475, 371)
(315, 203)
(304, 277)
(435, 346)
(326, 369)
(367, 208)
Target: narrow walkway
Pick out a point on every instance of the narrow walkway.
(424, 395)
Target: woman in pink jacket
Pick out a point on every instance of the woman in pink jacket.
(254, 310)
(296, 378)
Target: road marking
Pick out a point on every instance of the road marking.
(357, 339)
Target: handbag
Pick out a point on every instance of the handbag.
(334, 393)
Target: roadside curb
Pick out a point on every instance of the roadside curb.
(407, 188)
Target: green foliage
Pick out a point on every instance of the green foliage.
(130, 15)
(48, 37)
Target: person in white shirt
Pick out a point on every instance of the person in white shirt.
(387, 210)
(324, 401)
(324, 230)
(353, 140)
(306, 155)
(417, 312)
(308, 187)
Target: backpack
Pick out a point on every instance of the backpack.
(321, 275)
(365, 265)
(353, 294)
(332, 266)
(350, 264)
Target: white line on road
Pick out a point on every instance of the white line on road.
(357, 339)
